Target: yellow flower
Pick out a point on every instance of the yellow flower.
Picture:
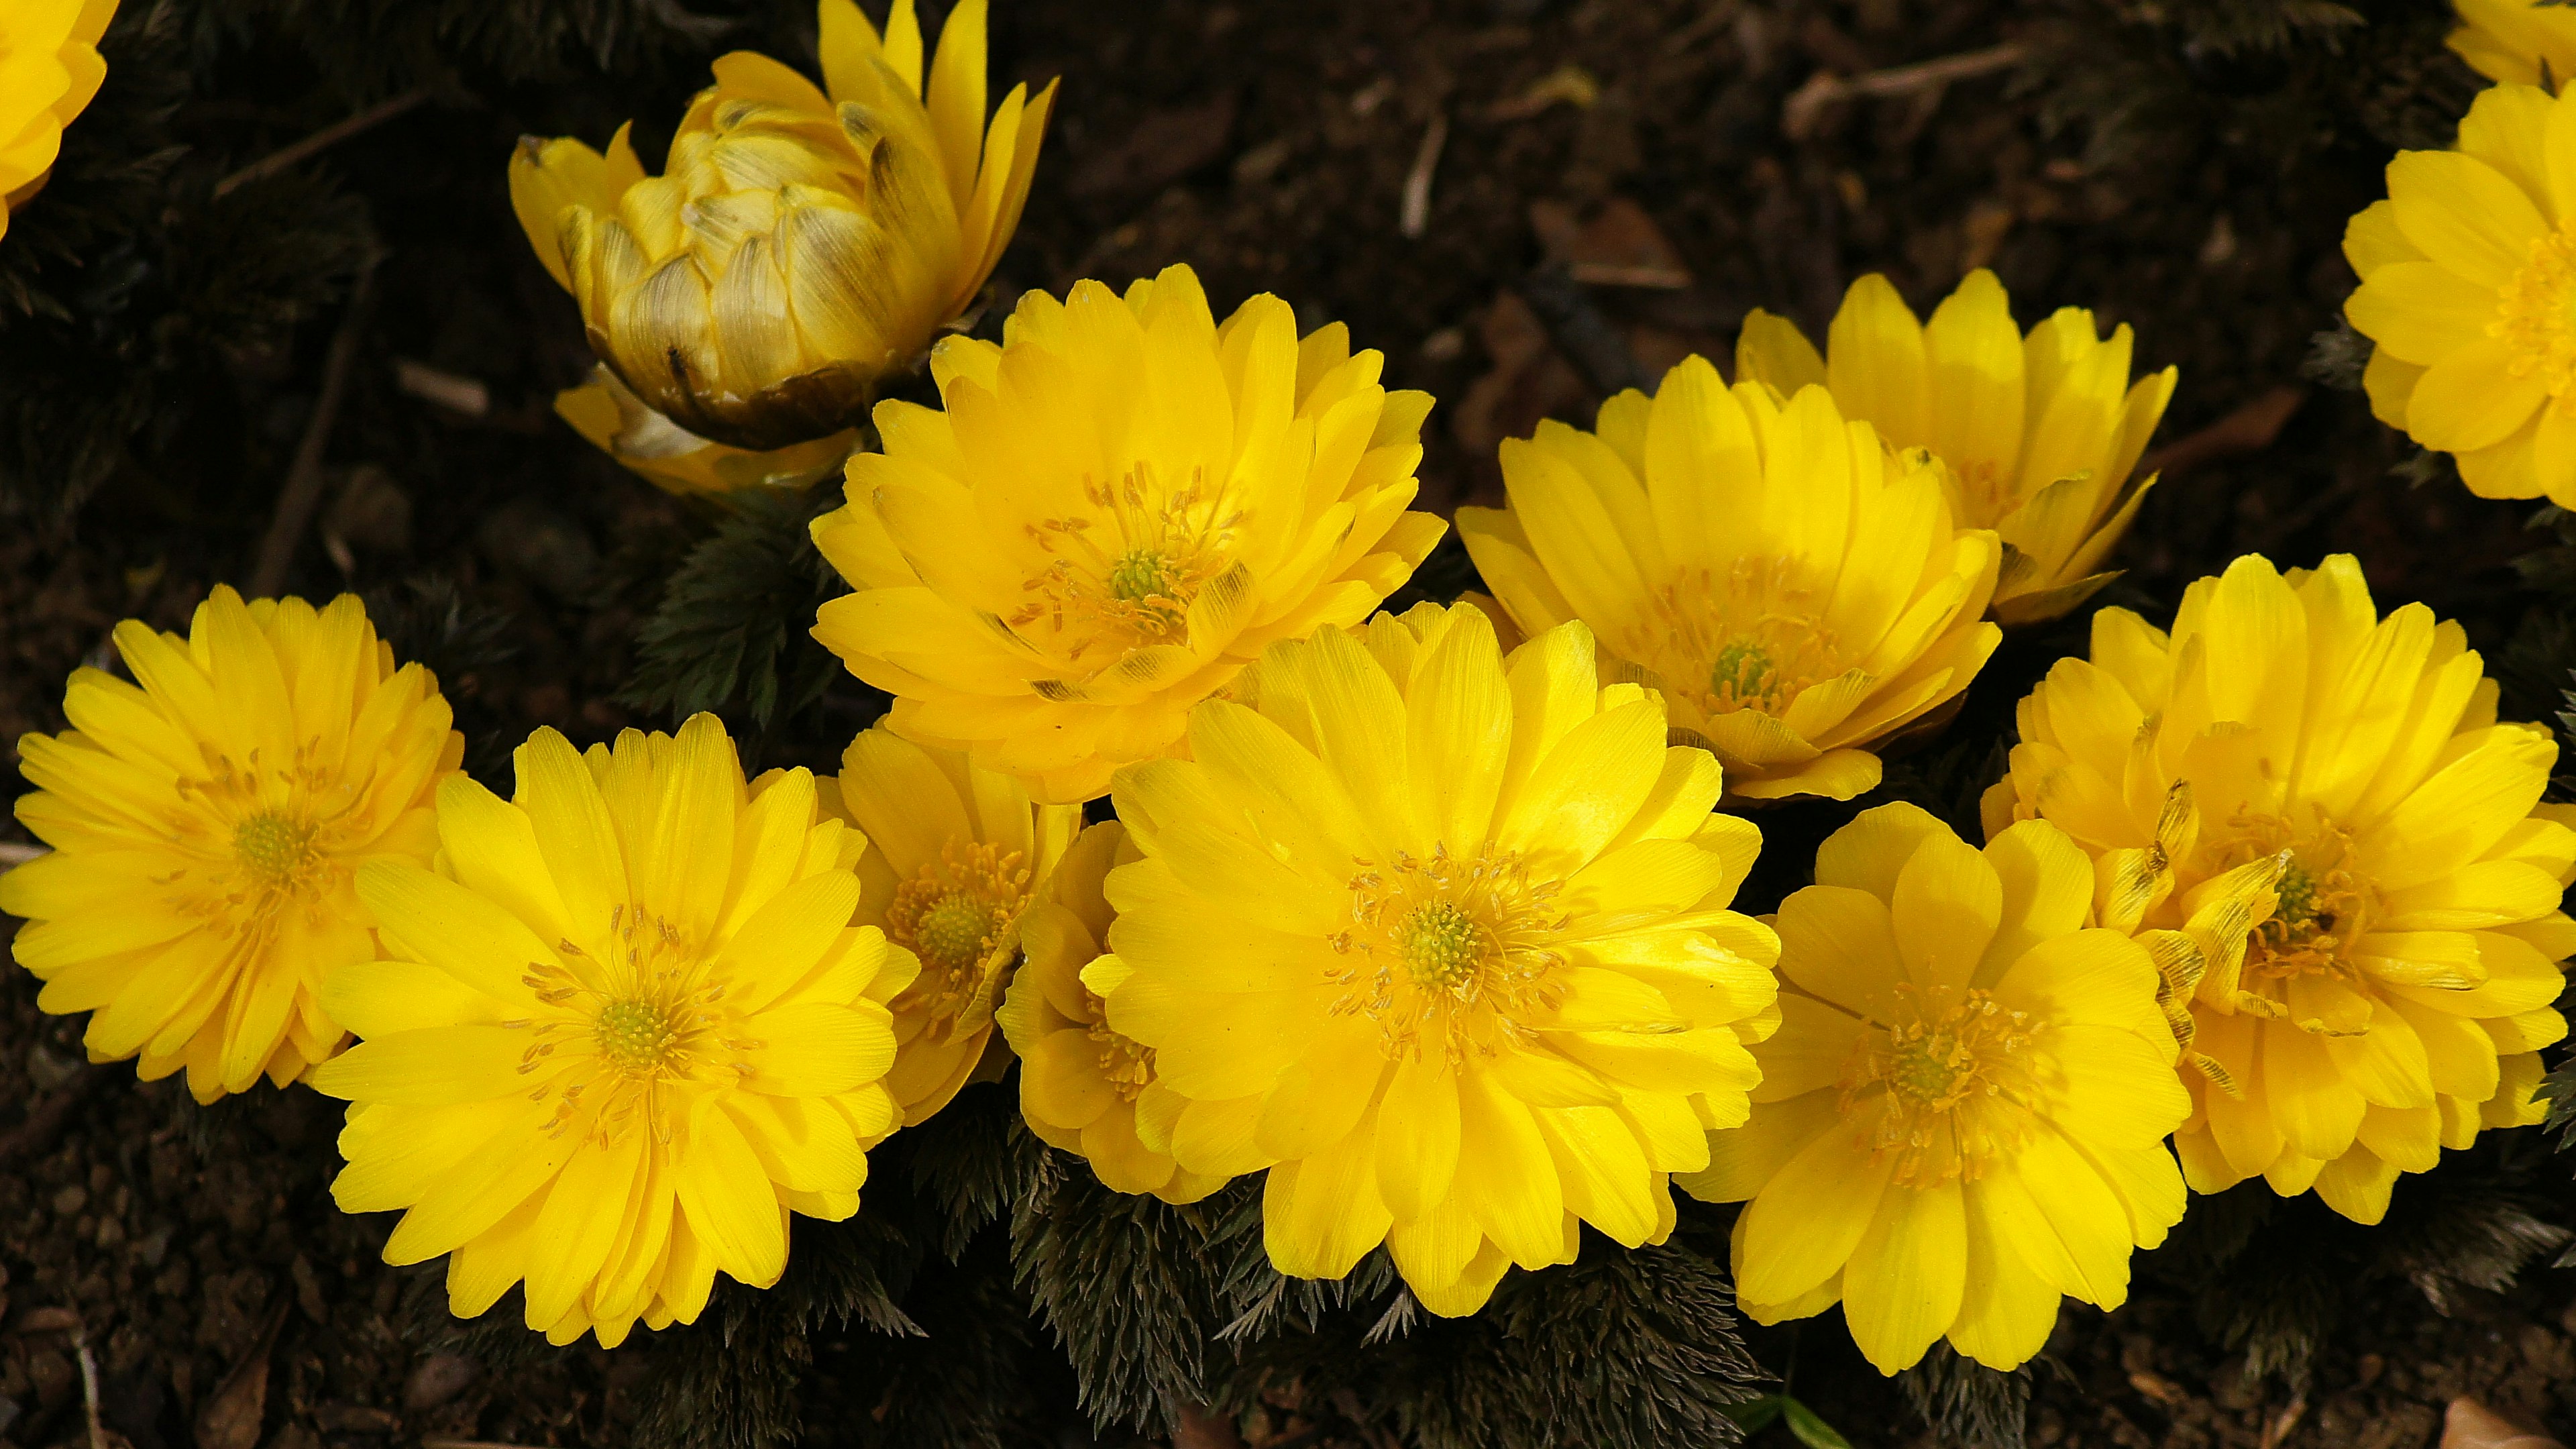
(2039, 434)
(205, 826)
(2468, 286)
(960, 852)
(802, 243)
(1439, 938)
(1083, 1087)
(1121, 506)
(619, 1036)
(2526, 42)
(1963, 1113)
(611, 418)
(1796, 592)
(49, 70)
(2339, 857)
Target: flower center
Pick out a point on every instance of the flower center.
(1458, 950)
(1127, 1064)
(1142, 574)
(1443, 945)
(1748, 637)
(957, 915)
(637, 1035)
(1125, 572)
(275, 848)
(2321, 907)
(2536, 313)
(615, 1036)
(1956, 1082)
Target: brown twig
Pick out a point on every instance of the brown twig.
(439, 1441)
(19, 852)
(1798, 115)
(2251, 428)
(89, 1385)
(46, 1118)
(322, 140)
(303, 490)
(1415, 217)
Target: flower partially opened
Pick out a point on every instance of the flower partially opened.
(49, 71)
(1798, 593)
(958, 854)
(802, 242)
(1083, 1086)
(2527, 42)
(2039, 434)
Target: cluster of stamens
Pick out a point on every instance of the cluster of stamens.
(275, 830)
(1131, 582)
(2321, 907)
(2536, 314)
(1457, 949)
(956, 915)
(1958, 1084)
(1127, 1064)
(629, 1028)
(1748, 637)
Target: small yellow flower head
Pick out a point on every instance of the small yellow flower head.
(1797, 592)
(801, 243)
(2468, 287)
(1121, 506)
(2339, 859)
(2039, 434)
(1439, 938)
(206, 821)
(623, 1031)
(1962, 1116)
(49, 71)
(960, 855)
(2524, 42)
(1083, 1087)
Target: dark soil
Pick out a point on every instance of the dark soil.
(194, 1255)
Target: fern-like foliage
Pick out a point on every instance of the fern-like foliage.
(732, 629)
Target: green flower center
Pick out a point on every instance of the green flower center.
(1141, 574)
(1742, 672)
(952, 933)
(1443, 945)
(638, 1036)
(274, 847)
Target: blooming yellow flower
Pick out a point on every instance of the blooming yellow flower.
(1797, 593)
(960, 853)
(612, 419)
(802, 243)
(1963, 1114)
(2039, 434)
(2468, 287)
(49, 70)
(205, 823)
(1440, 939)
(1083, 1087)
(2339, 856)
(2526, 42)
(1120, 507)
(619, 1036)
